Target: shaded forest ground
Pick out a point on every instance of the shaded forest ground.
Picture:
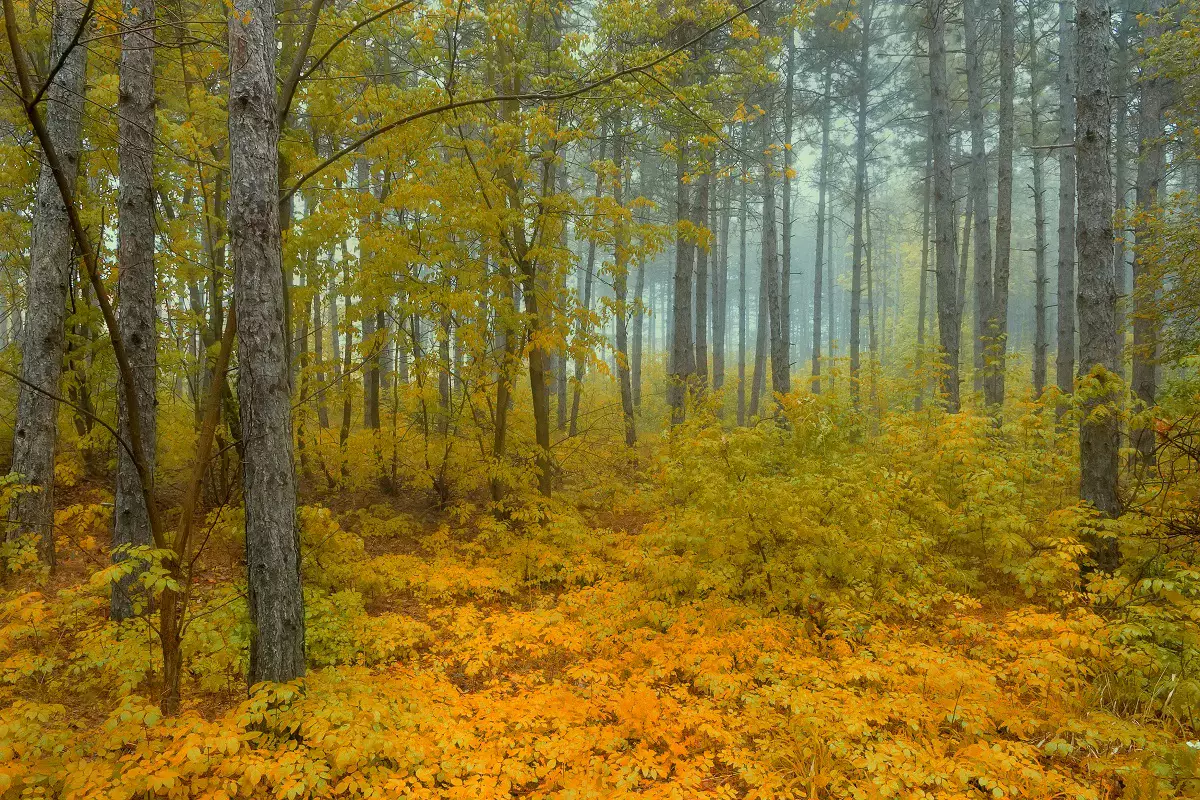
(780, 611)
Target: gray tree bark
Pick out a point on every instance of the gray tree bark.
(1151, 162)
(700, 214)
(44, 330)
(264, 390)
(720, 288)
(1065, 359)
(135, 278)
(819, 260)
(743, 316)
(949, 318)
(980, 202)
(1040, 278)
(998, 319)
(860, 199)
(682, 366)
(1099, 348)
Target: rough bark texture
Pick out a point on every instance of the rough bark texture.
(1144, 377)
(682, 366)
(785, 224)
(923, 291)
(780, 377)
(998, 319)
(949, 320)
(621, 291)
(720, 288)
(264, 390)
(700, 214)
(1099, 349)
(743, 316)
(50, 257)
(1065, 360)
(819, 260)
(980, 202)
(136, 282)
(1040, 278)
(860, 198)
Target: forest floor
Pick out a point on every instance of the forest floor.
(453, 655)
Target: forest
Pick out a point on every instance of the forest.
(562, 399)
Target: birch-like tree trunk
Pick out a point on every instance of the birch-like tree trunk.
(43, 337)
(135, 278)
(264, 390)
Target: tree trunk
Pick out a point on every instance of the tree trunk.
(588, 280)
(780, 378)
(785, 252)
(682, 351)
(1151, 161)
(949, 318)
(621, 288)
(1065, 360)
(860, 196)
(979, 196)
(50, 257)
(998, 319)
(1099, 349)
(923, 291)
(720, 287)
(819, 260)
(743, 316)
(136, 279)
(1040, 278)
(700, 214)
(264, 391)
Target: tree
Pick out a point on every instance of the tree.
(264, 388)
(819, 260)
(998, 318)
(1099, 349)
(980, 204)
(1065, 360)
(35, 432)
(136, 278)
(949, 315)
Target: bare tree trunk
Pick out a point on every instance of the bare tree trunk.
(785, 252)
(979, 196)
(136, 279)
(780, 378)
(949, 318)
(1151, 162)
(743, 317)
(720, 287)
(998, 319)
(588, 280)
(264, 390)
(1099, 351)
(1065, 361)
(621, 287)
(50, 257)
(1040, 278)
(923, 291)
(860, 197)
(700, 214)
(682, 366)
(819, 260)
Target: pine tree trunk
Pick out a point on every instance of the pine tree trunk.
(785, 251)
(720, 287)
(700, 214)
(923, 290)
(1151, 164)
(780, 378)
(264, 391)
(1065, 360)
(682, 366)
(1040, 277)
(949, 318)
(621, 289)
(860, 197)
(979, 196)
(1099, 350)
(819, 260)
(136, 278)
(743, 316)
(998, 319)
(44, 331)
